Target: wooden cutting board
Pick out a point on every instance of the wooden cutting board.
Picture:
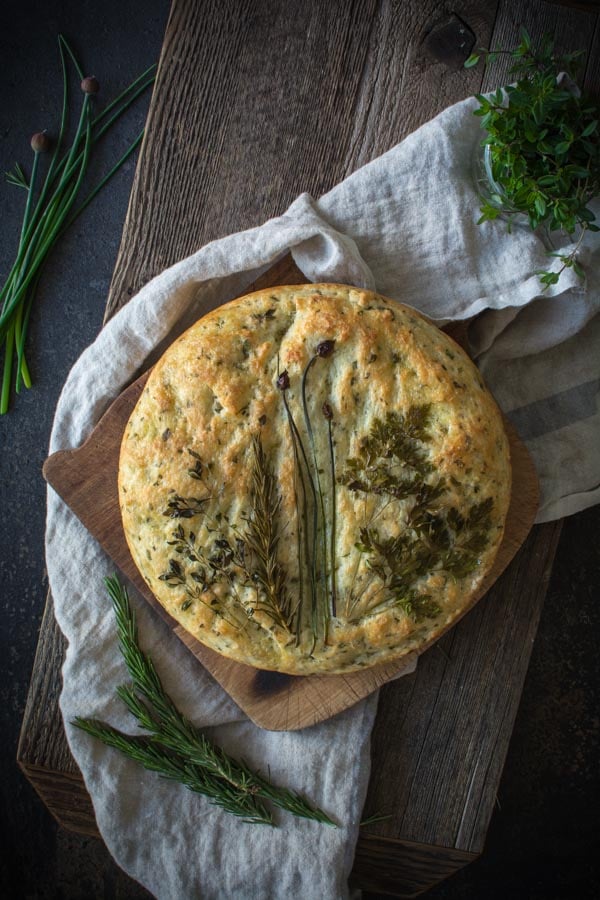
(86, 479)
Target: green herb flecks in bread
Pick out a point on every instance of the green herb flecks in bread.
(314, 479)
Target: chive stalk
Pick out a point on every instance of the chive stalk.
(305, 559)
(328, 413)
(314, 555)
(318, 520)
(49, 214)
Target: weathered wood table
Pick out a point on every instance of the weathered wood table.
(256, 102)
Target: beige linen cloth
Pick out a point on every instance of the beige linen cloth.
(406, 225)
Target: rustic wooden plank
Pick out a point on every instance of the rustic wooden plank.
(43, 753)
(42, 739)
(590, 6)
(591, 79)
(447, 761)
(571, 29)
(403, 868)
(65, 797)
(339, 86)
(224, 151)
(404, 86)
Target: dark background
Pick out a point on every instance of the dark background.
(543, 840)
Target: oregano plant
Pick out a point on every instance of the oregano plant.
(542, 147)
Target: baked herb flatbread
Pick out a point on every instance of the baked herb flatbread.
(314, 480)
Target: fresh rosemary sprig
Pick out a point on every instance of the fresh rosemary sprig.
(262, 538)
(152, 757)
(177, 749)
(51, 208)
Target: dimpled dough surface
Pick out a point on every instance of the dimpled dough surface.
(314, 480)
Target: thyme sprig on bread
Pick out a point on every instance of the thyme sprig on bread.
(176, 748)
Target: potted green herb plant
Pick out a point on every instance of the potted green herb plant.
(541, 149)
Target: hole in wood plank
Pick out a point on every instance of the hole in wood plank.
(449, 42)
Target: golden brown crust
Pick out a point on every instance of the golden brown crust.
(279, 548)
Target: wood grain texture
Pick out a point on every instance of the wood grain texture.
(42, 739)
(254, 103)
(403, 868)
(589, 6)
(86, 479)
(341, 83)
(571, 29)
(469, 684)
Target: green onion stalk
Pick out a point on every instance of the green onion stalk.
(53, 203)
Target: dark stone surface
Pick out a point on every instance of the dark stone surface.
(543, 840)
(116, 42)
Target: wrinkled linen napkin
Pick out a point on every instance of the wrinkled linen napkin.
(406, 225)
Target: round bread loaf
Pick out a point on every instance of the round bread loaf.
(314, 480)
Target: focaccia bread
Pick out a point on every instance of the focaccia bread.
(314, 480)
